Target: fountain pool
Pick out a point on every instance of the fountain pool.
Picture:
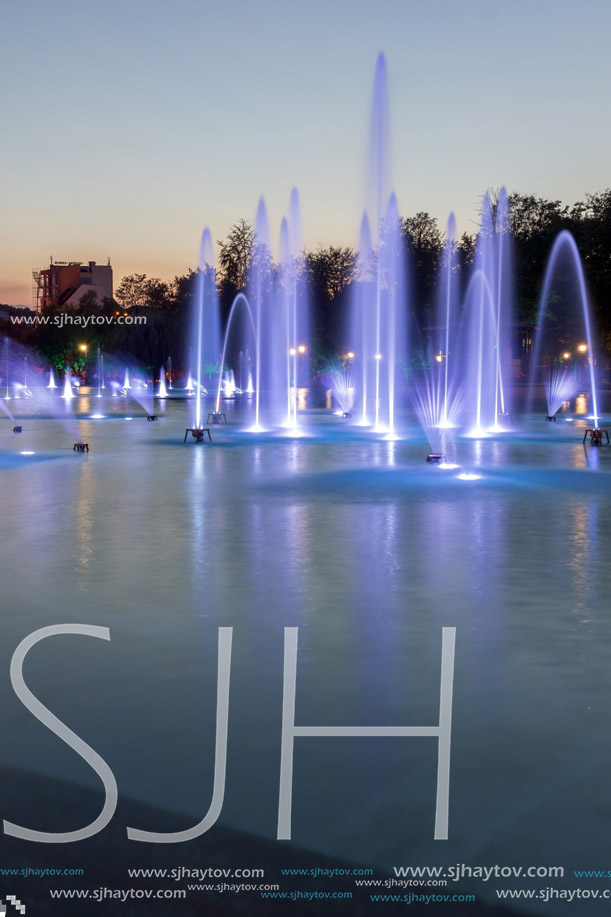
(370, 552)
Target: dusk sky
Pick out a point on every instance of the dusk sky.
(130, 126)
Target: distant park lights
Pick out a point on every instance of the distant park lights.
(292, 352)
(301, 349)
(566, 355)
(350, 355)
(377, 356)
(582, 348)
(83, 348)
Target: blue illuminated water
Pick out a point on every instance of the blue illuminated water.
(370, 552)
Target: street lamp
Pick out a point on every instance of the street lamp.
(350, 355)
(83, 348)
(582, 348)
(301, 349)
(292, 352)
(378, 356)
(566, 355)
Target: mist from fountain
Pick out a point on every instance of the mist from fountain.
(560, 385)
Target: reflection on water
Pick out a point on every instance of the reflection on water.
(370, 552)
(83, 521)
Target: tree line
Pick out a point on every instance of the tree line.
(330, 271)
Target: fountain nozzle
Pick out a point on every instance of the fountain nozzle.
(434, 458)
(596, 436)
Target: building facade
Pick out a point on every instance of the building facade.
(64, 283)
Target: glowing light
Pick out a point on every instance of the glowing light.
(377, 356)
(566, 356)
(467, 476)
(446, 425)
(256, 428)
(448, 466)
(83, 348)
(477, 433)
(301, 348)
(97, 416)
(292, 351)
(582, 348)
(496, 428)
(568, 420)
(129, 418)
(350, 355)
(27, 453)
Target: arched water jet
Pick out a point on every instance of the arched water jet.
(240, 298)
(566, 243)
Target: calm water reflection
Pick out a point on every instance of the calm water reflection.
(370, 552)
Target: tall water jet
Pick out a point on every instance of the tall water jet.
(447, 306)
(169, 364)
(68, 393)
(363, 316)
(51, 383)
(547, 339)
(479, 316)
(437, 391)
(378, 306)
(392, 298)
(260, 298)
(207, 333)
(100, 372)
(503, 303)
(162, 391)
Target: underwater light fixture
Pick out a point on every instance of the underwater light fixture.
(198, 434)
(596, 436)
(550, 418)
(17, 429)
(151, 417)
(434, 458)
(80, 447)
(216, 417)
(346, 414)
